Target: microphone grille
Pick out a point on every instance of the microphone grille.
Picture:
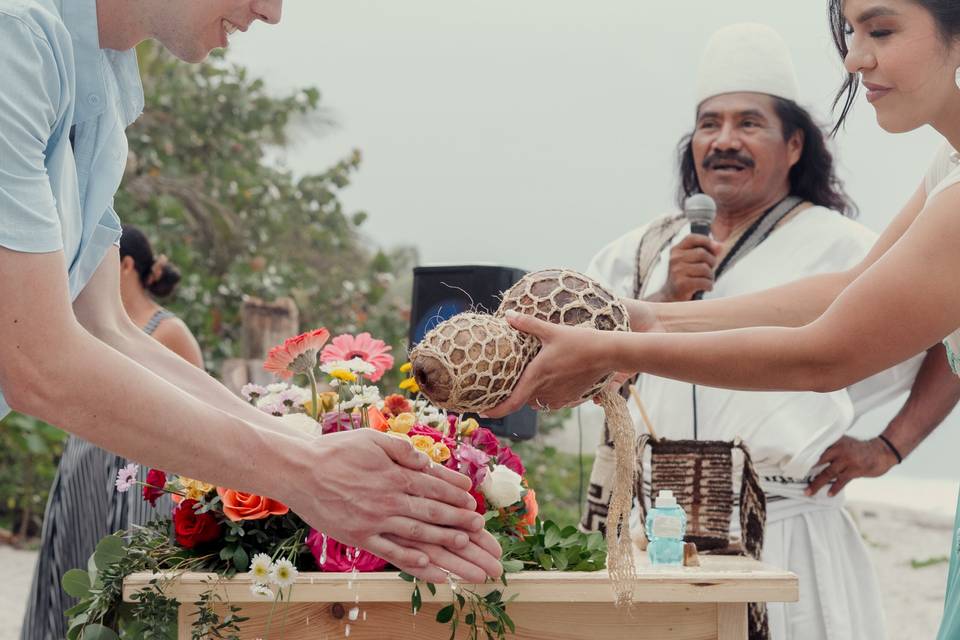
(700, 206)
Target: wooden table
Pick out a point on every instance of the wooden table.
(703, 603)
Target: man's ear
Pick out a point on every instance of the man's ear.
(795, 146)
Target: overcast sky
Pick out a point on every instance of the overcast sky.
(530, 133)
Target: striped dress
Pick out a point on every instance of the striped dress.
(84, 506)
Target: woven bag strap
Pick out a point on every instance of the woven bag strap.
(753, 506)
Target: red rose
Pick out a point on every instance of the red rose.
(192, 528)
(481, 502)
(484, 440)
(511, 461)
(153, 488)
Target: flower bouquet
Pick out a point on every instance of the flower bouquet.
(325, 386)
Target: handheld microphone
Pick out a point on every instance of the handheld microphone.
(700, 209)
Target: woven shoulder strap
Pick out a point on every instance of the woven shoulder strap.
(656, 238)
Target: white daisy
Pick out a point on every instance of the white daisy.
(260, 568)
(283, 573)
(127, 477)
(262, 591)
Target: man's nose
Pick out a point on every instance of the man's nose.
(268, 11)
(727, 138)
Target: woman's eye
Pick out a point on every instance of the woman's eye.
(880, 33)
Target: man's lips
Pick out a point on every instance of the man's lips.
(875, 91)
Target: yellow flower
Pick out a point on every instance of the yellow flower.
(328, 400)
(410, 384)
(439, 452)
(194, 489)
(343, 374)
(397, 434)
(403, 422)
(407, 367)
(468, 426)
(422, 443)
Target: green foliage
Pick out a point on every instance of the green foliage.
(29, 452)
(550, 547)
(202, 184)
(559, 479)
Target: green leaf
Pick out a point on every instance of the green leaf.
(109, 550)
(512, 566)
(432, 588)
(240, 559)
(559, 559)
(445, 615)
(545, 561)
(406, 577)
(552, 535)
(76, 583)
(469, 619)
(415, 600)
(99, 632)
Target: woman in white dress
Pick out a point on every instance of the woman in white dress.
(825, 332)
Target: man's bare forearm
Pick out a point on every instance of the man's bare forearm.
(134, 343)
(935, 392)
(145, 418)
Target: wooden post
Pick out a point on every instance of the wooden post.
(264, 325)
(732, 621)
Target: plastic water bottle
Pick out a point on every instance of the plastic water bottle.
(666, 526)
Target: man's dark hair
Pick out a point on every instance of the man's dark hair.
(812, 178)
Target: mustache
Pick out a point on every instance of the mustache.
(721, 157)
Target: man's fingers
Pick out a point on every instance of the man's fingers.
(828, 456)
(401, 451)
(427, 532)
(428, 484)
(408, 559)
(820, 481)
(472, 564)
(697, 256)
(840, 483)
(435, 512)
(485, 540)
(450, 476)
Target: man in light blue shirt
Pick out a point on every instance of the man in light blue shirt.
(69, 355)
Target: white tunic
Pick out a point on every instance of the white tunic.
(786, 432)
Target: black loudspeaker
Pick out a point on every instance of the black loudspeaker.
(439, 293)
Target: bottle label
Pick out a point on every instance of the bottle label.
(666, 527)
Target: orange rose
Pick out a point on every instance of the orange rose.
(238, 505)
(530, 503)
(377, 420)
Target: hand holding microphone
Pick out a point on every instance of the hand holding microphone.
(693, 260)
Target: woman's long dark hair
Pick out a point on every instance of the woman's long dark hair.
(946, 13)
(812, 178)
(159, 279)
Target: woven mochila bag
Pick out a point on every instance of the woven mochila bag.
(700, 473)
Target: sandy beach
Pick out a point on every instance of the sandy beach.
(906, 523)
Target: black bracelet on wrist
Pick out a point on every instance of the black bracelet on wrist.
(890, 446)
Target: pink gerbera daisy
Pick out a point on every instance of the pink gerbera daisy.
(372, 351)
(296, 355)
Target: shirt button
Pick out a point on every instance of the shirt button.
(93, 99)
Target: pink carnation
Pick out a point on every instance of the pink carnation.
(484, 440)
(339, 557)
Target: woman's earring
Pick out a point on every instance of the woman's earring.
(958, 77)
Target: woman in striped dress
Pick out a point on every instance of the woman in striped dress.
(84, 505)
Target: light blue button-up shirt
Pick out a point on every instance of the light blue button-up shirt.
(57, 194)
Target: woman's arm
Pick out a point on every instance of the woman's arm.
(904, 302)
(174, 334)
(790, 305)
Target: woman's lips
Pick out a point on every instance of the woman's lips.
(875, 91)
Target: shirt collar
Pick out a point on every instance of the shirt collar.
(91, 64)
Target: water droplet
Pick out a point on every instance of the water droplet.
(346, 631)
(364, 616)
(353, 614)
(323, 549)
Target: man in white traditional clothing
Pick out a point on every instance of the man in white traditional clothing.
(781, 215)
